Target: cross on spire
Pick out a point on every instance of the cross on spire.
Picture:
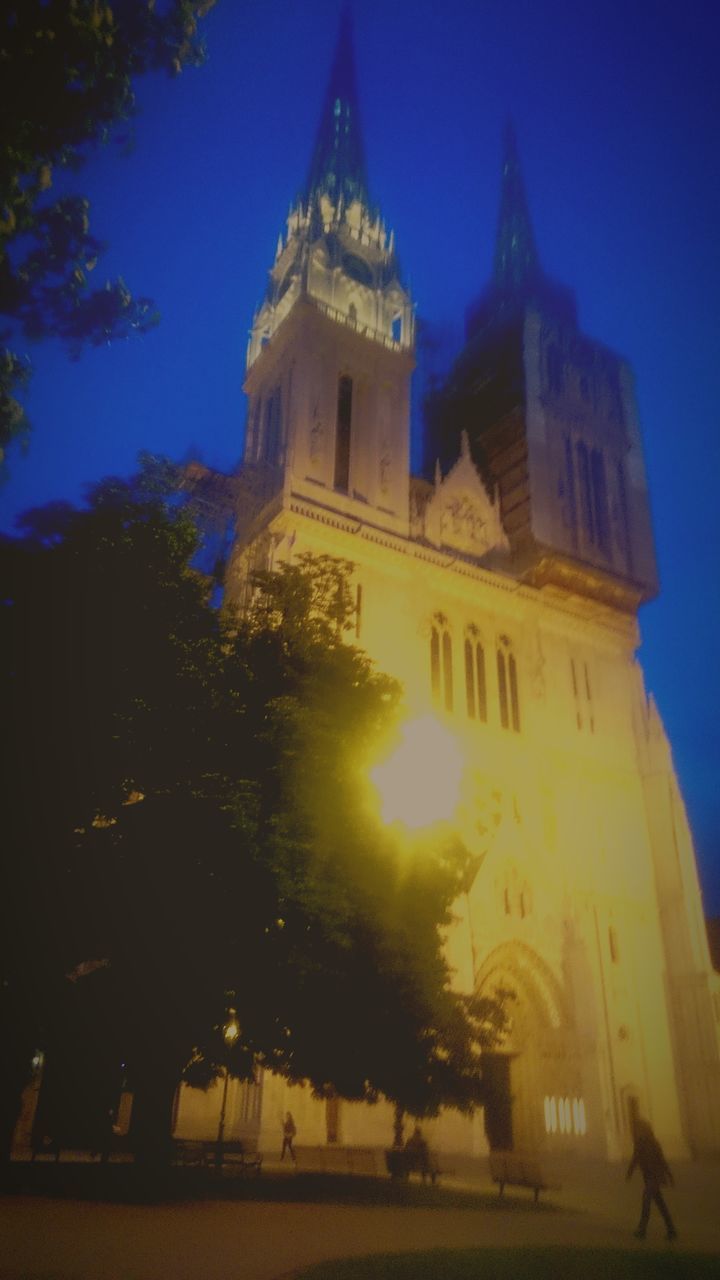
(337, 165)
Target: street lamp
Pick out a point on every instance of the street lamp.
(419, 783)
(230, 1032)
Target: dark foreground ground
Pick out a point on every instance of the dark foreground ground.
(78, 1221)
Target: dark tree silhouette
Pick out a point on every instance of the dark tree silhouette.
(186, 805)
(66, 83)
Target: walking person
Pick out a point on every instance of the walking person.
(289, 1131)
(648, 1156)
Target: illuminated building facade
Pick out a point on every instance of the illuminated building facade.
(503, 592)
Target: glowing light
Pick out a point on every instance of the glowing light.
(231, 1030)
(419, 784)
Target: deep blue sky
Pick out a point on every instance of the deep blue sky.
(617, 112)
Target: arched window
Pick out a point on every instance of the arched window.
(475, 683)
(514, 703)
(441, 671)
(582, 693)
(508, 696)
(600, 502)
(272, 434)
(624, 517)
(586, 501)
(254, 421)
(571, 502)
(342, 433)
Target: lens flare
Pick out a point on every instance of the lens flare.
(419, 784)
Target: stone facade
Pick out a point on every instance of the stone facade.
(507, 607)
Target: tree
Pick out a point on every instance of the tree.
(107, 641)
(204, 820)
(68, 68)
(363, 985)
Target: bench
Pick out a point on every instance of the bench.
(519, 1169)
(239, 1153)
(191, 1152)
(401, 1163)
(236, 1153)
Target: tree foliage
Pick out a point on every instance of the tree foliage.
(189, 824)
(68, 68)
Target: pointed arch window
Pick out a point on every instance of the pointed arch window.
(600, 502)
(272, 432)
(624, 517)
(586, 502)
(254, 421)
(582, 694)
(475, 682)
(342, 433)
(508, 696)
(441, 664)
(571, 501)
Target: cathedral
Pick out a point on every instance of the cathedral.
(502, 588)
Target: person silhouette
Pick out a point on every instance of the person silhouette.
(649, 1158)
(289, 1131)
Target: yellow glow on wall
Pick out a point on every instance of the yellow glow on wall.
(419, 784)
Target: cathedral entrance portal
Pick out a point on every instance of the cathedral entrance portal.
(538, 1058)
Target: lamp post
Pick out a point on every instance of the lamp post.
(230, 1031)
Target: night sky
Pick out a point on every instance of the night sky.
(616, 108)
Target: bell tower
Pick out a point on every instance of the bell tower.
(552, 423)
(331, 347)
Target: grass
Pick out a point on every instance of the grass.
(520, 1264)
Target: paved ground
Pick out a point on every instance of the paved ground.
(59, 1239)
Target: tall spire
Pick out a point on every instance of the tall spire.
(516, 263)
(337, 166)
(518, 279)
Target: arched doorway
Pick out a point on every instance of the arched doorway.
(539, 1057)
